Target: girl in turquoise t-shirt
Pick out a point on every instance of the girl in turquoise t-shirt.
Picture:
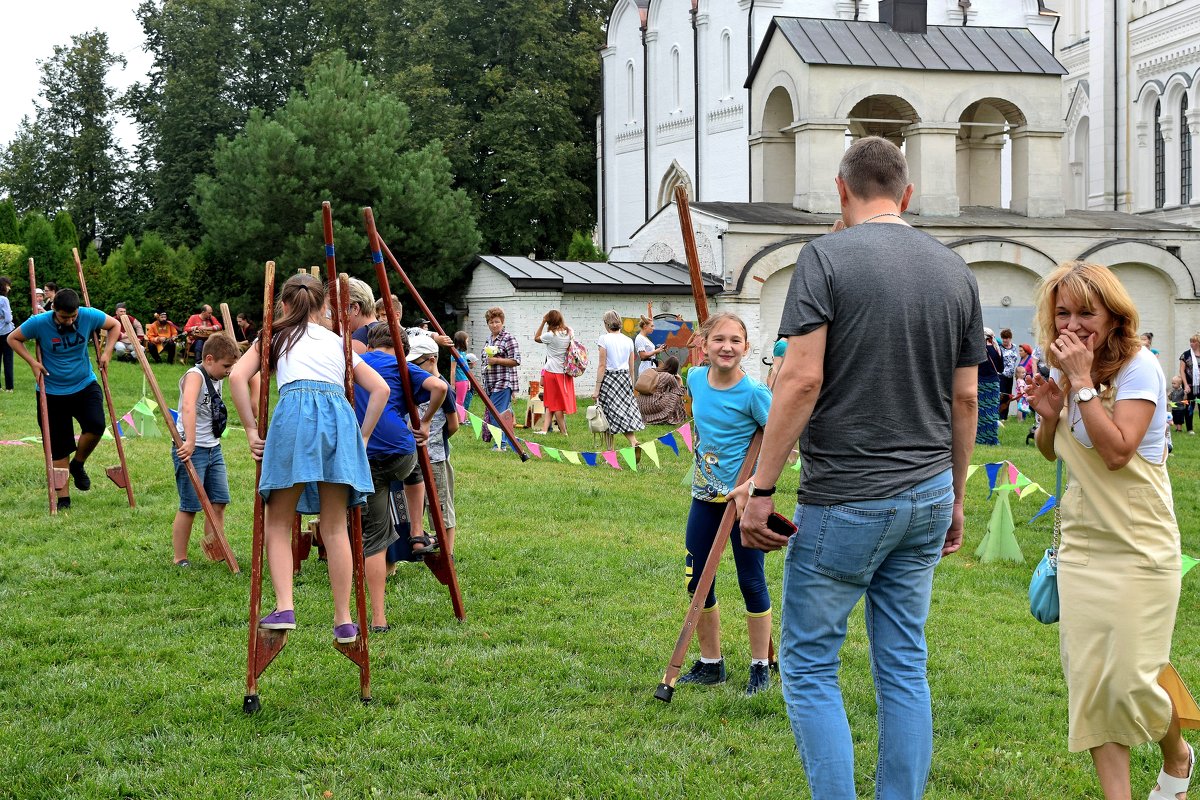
(728, 407)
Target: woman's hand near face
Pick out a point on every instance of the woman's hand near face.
(1075, 357)
(1046, 397)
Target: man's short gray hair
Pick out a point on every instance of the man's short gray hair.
(872, 168)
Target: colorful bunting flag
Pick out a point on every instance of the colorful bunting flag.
(534, 448)
(651, 451)
(611, 458)
(589, 459)
(685, 431)
(571, 456)
(1187, 563)
(669, 441)
(1000, 541)
(971, 470)
(476, 424)
(497, 433)
(1049, 504)
(554, 453)
(992, 471)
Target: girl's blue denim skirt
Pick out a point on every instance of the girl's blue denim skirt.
(314, 436)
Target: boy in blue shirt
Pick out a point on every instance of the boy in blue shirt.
(72, 392)
(392, 453)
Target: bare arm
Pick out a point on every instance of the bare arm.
(111, 328)
(239, 389)
(633, 364)
(600, 369)
(797, 387)
(1184, 376)
(964, 419)
(187, 412)
(17, 340)
(537, 335)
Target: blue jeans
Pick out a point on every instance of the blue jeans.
(886, 549)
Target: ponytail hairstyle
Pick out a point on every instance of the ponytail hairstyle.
(611, 320)
(301, 297)
(554, 320)
(643, 321)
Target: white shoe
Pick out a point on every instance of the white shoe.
(1169, 786)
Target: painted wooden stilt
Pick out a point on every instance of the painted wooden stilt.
(55, 478)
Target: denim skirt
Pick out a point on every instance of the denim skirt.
(314, 437)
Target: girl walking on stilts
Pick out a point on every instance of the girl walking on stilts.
(314, 458)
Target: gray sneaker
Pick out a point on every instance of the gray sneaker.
(704, 674)
(760, 679)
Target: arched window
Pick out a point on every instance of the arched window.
(726, 65)
(675, 104)
(631, 91)
(1185, 154)
(1160, 170)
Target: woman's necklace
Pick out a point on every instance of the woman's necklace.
(884, 214)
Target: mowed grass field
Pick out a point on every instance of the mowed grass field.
(122, 676)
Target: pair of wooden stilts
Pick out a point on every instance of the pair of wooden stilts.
(264, 645)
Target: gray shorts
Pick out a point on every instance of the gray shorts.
(378, 530)
(443, 478)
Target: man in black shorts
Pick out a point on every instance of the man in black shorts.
(72, 392)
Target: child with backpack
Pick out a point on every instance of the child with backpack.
(201, 421)
(423, 355)
(728, 407)
(314, 458)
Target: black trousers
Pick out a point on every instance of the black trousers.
(6, 356)
(168, 349)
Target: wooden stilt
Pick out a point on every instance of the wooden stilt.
(215, 545)
(118, 474)
(54, 481)
(264, 644)
(440, 563)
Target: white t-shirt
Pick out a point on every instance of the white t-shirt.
(316, 356)
(643, 345)
(617, 348)
(556, 349)
(1141, 379)
(204, 432)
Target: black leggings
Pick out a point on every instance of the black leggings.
(6, 356)
(703, 520)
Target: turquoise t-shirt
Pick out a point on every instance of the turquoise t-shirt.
(65, 353)
(724, 420)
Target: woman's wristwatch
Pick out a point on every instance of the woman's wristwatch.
(755, 491)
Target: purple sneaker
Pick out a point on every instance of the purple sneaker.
(345, 633)
(279, 621)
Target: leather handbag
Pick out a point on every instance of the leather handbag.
(1043, 586)
(596, 420)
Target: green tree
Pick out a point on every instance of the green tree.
(64, 230)
(583, 248)
(512, 88)
(342, 141)
(33, 177)
(77, 118)
(10, 229)
(45, 250)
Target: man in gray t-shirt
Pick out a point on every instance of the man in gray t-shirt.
(884, 334)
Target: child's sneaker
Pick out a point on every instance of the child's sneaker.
(345, 633)
(760, 679)
(279, 621)
(705, 674)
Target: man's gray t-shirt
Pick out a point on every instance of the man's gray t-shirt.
(903, 313)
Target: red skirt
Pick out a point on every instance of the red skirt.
(558, 392)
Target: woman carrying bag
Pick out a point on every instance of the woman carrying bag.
(558, 388)
(1104, 413)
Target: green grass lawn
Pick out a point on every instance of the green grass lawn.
(123, 676)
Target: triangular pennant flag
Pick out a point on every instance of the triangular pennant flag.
(971, 470)
(669, 441)
(1031, 488)
(554, 453)
(534, 448)
(174, 414)
(1187, 562)
(686, 432)
(129, 419)
(589, 459)
(611, 458)
(571, 456)
(1012, 473)
(796, 467)
(476, 424)
(108, 433)
(992, 471)
(1049, 504)
(1022, 481)
(496, 432)
(651, 451)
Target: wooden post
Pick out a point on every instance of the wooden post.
(118, 474)
(214, 543)
(440, 563)
(55, 478)
(264, 644)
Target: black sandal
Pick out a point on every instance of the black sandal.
(427, 545)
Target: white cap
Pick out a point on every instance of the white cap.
(421, 346)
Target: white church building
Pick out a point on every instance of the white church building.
(748, 105)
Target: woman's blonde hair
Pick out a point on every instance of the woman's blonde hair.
(611, 320)
(361, 294)
(643, 321)
(1092, 285)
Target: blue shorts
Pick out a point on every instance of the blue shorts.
(210, 466)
